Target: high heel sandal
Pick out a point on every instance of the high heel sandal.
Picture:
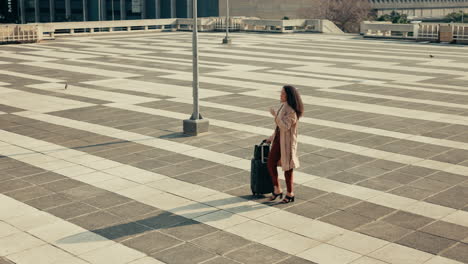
(274, 196)
(288, 199)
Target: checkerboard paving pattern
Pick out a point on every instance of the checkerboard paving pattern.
(94, 167)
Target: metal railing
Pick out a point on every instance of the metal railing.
(19, 33)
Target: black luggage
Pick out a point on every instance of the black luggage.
(260, 179)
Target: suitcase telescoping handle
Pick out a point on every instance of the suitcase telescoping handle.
(264, 143)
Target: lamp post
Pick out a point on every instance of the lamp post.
(196, 124)
(226, 39)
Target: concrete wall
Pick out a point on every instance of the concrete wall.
(272, 9)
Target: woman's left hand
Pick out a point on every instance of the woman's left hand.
(273, 112)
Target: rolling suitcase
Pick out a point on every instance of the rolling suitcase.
(260, 179)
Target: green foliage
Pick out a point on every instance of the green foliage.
(285, 18)
(456, 17)
(395, 18)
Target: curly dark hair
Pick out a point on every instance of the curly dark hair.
(294, 100)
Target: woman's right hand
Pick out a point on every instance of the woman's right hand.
(268, 140)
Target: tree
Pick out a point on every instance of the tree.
(395, 18)
(456, 17)
(346, 14)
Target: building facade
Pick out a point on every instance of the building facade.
(277, 9)
(44, 11)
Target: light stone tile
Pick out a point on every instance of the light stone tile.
(367, 260)
(397, 254)
(392, 201)
(99, 164)
(458, 217)
(430, 210)
(94, 177)
(10, 208)
(358, 243)
(82, 242)
(6, 229)
(320, 231)
(33, 220)
(193, 210)
(140, 192)
(326, 185)
(116, 254)
(329, 254)
(116, 184)
(166, 201)
(285, 220)
(146, 260)
(222, 219)
(253, 230)
(18, 242)
(442, 260)
(74, 171)
(44, 254)
(56, 231)
(359, 192)
(290, 243)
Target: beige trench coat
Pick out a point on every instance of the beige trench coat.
(286, 120)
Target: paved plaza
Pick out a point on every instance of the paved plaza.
(94, 167)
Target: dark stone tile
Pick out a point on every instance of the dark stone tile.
(322, 170)
(412, 192)
(122, 231)
(311, 210)
(150, 164)
(221, 171)
(370, 210)
(62, 185)
(46, 202)
(97, 220)
(175, 158)
(407, 220)
(335, 200)
(368, 171)
(12, 185)
(307, 193)
(296, 260)
(398, 177)
(416, 171)
(131, 209)
(426, 242)
(453, 156)
(220, 242)
(256, 253)
(24, 170)
(348, 177)
(5, 261)
(189, 230)
(160, 220)
(448, 178)
(151, 242)
(84, 192)
(222, 184)
(430, 185)
(459, 252)
(383, 230)
(219, 260)
(106, 200)
(385, 164)
(447, 230)
(72, 210)
(379, 184)
(346, 220)
(195, 177)
(29, 193)
(456, 197)
(183, 254)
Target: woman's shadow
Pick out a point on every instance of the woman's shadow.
(177, 217)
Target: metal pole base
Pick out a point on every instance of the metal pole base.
(195, 127)
(227, 40)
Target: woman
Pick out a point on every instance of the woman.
(284, 141)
